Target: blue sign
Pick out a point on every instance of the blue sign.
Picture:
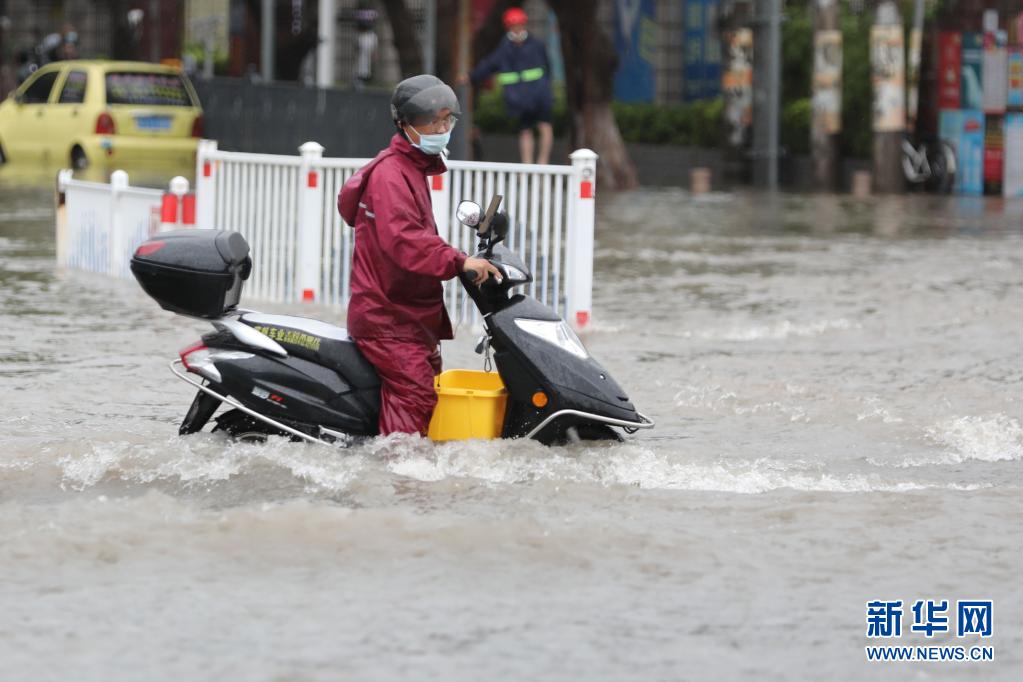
(1012, 178)
(970, 158)
(635, 43)
(554, 56)
(965, 131)
(701, 62)
(973, 60)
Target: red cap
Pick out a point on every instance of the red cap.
(514, 16)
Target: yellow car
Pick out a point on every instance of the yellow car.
(84, 112)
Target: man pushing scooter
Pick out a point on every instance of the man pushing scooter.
(396, 312)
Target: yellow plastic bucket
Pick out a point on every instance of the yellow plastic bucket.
(470, 404)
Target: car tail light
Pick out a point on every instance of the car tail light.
(197, 126)
(105, 124)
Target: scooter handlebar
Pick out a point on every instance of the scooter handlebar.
(473, 274)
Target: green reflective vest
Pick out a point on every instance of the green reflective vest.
(513, 77)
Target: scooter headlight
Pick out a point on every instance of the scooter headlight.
(557, 333)
(513, 274)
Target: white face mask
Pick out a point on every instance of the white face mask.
(431, 144)
(517, 36)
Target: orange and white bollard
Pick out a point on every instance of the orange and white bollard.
(177, 207)
(579, 244)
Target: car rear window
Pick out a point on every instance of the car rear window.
(166, 89)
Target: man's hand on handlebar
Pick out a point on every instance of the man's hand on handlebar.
(481, 270)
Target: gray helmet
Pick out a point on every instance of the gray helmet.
(417, 100)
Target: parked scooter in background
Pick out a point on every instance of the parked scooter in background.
(931, 164)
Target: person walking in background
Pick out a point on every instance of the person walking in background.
(520, 62)
(366, 46)
(61, 46)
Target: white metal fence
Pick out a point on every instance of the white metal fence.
(285, 206)
(99, 225)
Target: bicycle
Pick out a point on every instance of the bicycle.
(931, 165)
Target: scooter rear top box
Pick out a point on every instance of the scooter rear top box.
(193, 272)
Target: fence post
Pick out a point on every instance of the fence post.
(579, 248)
(205, 183)
(309, 245)
(63, 177)
(440, 195)
(171, 205)
(115, 235)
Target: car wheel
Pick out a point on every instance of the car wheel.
(79, 161)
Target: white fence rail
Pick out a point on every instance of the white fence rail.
(285, 206)
(99, 225)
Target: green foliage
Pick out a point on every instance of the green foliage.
(796, 53)
(220, 58)
(490, 117)
(698, 124)
(856, 138)
(795, 126)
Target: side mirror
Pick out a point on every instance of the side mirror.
(18, 97)
(469, 213)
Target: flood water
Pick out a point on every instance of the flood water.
(836, 389)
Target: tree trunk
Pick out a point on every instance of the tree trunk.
(290, 49)
(124, 41)
(888, 73)
(406, 38)
(590, 64)
(293, 48)
(447, 16)
(492, 30)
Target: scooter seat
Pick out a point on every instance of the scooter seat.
(319, 342)
(345, 357)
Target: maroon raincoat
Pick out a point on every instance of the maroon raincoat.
(396, 312)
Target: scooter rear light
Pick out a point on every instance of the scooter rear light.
(193, 356)
(199, 359)
(150, 248)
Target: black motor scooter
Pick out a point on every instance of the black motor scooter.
(299, 377)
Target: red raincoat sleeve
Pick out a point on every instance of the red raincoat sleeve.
(411, 244)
